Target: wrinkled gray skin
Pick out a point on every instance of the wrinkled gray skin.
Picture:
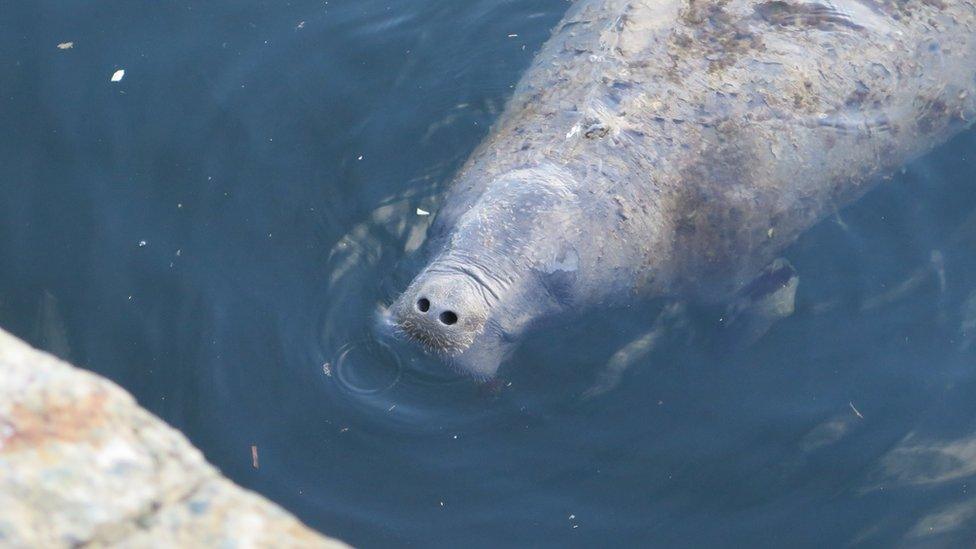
(672, 148)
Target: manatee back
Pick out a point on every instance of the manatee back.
(707, 135)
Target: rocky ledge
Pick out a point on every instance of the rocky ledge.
(82, 464)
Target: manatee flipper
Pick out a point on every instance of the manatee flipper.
(767, 299)
(673, 316)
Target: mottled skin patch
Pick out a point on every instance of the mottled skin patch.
(713, 33)
(898, 9)
(933, 114)
(697, 139)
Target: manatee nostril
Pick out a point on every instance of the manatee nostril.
(449, 317)
(423, 304)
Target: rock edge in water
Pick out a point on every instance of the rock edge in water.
(81, 463)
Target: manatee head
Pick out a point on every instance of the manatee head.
(506, 262)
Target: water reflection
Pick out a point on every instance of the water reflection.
(925, 462)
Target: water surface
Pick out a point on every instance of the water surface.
(216, 231)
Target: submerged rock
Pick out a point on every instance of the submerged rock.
(82, 464)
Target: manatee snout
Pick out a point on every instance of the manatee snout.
(442, 311)
(494, 269)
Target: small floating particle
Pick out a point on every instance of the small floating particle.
(118, 75)
(360, 157)
(327, 369)
(344, 429)
(66, 45)
(442, 504)
(421, 211)
(513, 35)
(391, 408)
(571, 517)
(254, 457)
(300, 25)
(143, 243)
(856, 412)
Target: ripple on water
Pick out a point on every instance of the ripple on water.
(366, 367)
(396, 388)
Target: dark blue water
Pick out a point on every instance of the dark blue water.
(216, 231)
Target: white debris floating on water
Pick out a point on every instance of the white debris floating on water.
(66, 45)
(421, 211)
(118, 75)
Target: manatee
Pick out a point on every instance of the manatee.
(674, 149)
